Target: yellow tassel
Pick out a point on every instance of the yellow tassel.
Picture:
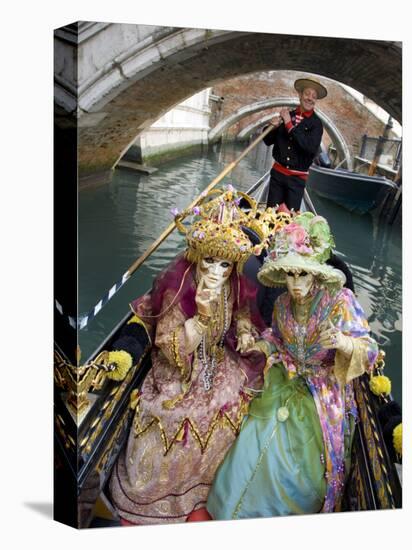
(137, 320)
(380, 385)
(397, 439)
(123, 362)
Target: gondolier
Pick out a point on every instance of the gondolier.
(296, 139)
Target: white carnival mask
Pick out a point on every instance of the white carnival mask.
(214, 272)
(299, 284)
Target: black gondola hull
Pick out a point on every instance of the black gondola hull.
(357, 193)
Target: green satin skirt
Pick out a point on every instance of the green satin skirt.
(275, 467)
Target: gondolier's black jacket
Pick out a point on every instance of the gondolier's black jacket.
(296, 149)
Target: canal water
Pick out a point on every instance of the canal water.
(118, 222)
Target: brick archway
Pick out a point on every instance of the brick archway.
(333, 131)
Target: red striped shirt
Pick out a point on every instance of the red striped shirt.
(299, 116)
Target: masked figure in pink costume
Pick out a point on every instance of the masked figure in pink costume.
(293, 453)
(202, 320)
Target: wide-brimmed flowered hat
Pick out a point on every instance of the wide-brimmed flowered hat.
(303, 245)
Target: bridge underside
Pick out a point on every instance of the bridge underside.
(114, 121)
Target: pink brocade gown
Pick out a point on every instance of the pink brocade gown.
(180, 432)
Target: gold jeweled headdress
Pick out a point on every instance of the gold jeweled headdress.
(265, 223)
(218, 230)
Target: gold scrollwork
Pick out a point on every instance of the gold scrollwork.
(111, 444)
(107, 408)
(80, 380)
(374, 446)
(67, 440)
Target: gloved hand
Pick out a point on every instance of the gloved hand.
(245, 342)
(333, 338)
(204, 299)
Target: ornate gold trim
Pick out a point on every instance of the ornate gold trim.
(109, 446)
(218, 420)
(380, 472)
(176, 354)
(107, 408)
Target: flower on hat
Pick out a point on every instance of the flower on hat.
(297, 238)
(321, 238)
(304, 219)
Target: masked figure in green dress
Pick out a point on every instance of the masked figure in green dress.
(292, 455)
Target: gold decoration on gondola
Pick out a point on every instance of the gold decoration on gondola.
(100, 421)
(80, 380)
(380, 473)
(110, 446)
(66, 438)
(107, 408)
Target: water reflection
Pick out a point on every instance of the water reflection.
(117, 223)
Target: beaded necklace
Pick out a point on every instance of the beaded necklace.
(210, 355)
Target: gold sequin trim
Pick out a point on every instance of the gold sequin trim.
(219, 420)
(175, 349)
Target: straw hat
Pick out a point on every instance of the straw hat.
(303, 83)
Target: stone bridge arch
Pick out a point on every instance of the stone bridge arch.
(333, 131)
(117, 79)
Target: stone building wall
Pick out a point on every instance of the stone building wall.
(183, 127)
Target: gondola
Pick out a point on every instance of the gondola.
(358, 193)
(93, 414)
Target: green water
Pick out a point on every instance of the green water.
(118, 222)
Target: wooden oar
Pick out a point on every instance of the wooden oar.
(212, 184)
